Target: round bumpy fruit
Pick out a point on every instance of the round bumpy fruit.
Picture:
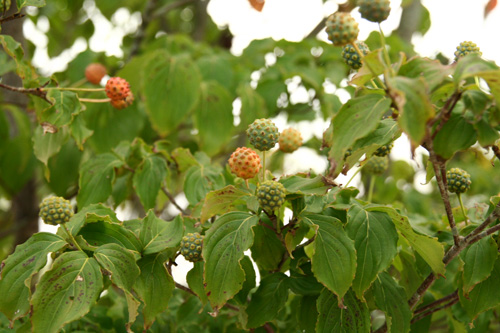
(271, 195)
(384, 150)
(374, 10)
(466, 48)
(123, 103)
(263, 134)
(117, 88)
(244, 163)
(95, 72)
(341, 28)
(191, 246)
(290, 140)
(458, 180)
(55, 210)
(352, 57)
(376, 165)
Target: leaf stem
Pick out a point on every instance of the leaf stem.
(384, 50)
(74, 89)
(94, 100)
(372, 185)
(264, 165)
(73, 240)
(354, 175)
(462, 207)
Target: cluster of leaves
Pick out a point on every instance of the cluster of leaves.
(335, 262)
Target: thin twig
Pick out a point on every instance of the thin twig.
(445, 113)
(28, 91)
(172, 200)
(496, 150)
(11, 17)
(428, 313)
(489, 220)
(437, 302)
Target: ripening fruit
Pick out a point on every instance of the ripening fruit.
(352, 57)
(384, 150)
(191, 246)
(271, 195)
(123, 103)
(376, 165)
(341, 28)
(263, 134)
(55, 210)
(466, 48)
(95, 72)
(458, 180)
(244, 163)
(290, 140)
(117, 88)
(374, 10)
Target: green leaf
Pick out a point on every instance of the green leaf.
(120, 263)
(171, 90)
(391, 298)
(353, 317)
(201, 179)
(65, 106)
(430, 249)
(154, 286)
(216, 67)
(96, 179)
(92, 213)
(250, 277)
(457, 134)
(35, 3)
(268, 300)
(479, 260)
(18, 269)
(412, 99)
(46, 145)
(375, 239)
(222, 201)
(484, 296)
(432, 71)
(386, 131)
(15, 50)
(302, 185)
(79, 131)
(334, 256)
(194, 278)
(66, 292)
(214, 117)
(486, 134)
(267, 249)
(157, 235)
(308, 314)
(470, 66)
(357, 118)
(223, 248)
(375, 60)
(183, 158)
(100, 233)
(148, 179)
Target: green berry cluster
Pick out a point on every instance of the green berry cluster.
(55, 210)
(376, 165)
(271, 195)
(466, 48)
(384, 150)
(352, 57)
(191, 246)
(374, 10)
(263, 134)
(341, 28)
(458, 180)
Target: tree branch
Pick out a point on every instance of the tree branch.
(39, 92)
(435, 303)
(172, 200)
(14, 16)
(496, 150)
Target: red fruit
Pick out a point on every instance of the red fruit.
(95, 72)
(123, 103)
(244, 163)
(117, 88)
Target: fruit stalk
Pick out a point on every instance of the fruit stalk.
(72, 239)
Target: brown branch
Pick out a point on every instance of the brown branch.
(39, 92)
(449, 297)
(343, 7)
(489, 220)
(14, 16)
(172, 200)
(496, 150)
(445, 113)
(317, 29)
(453, 301)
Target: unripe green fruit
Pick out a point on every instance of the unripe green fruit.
(341, 28)
(384, 150)
(374, 10)
(290, 140)
(191, 246)
(352, 57)
(244, 163)
(271, 195)
(458, 180)
(376, 165)
(263, 134)
(55, 210)
(466, 48)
